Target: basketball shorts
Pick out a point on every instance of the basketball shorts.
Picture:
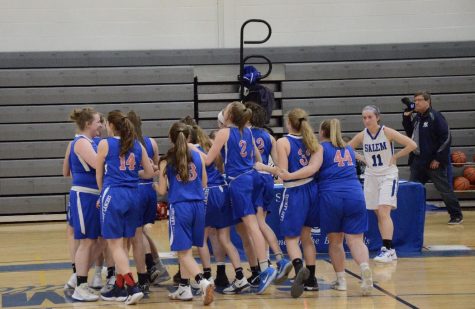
(83, 210)
(148, 203)
(120, 212)
(263, 190)
(342, 214)
(381, 190)
(219, 213)
(186, 225)
(241, 195)
(299, 208)
(69, 218)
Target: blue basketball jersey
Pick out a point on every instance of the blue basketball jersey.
(214, 176)
(122, 170)
(97, 139)
(149, 148)
(239, 152)
(82, 173)
(263, 143)
(299, 156)
(338, 171)
(192, 190)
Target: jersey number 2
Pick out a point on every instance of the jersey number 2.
(379, 163)
(130, 162)
(342, 159)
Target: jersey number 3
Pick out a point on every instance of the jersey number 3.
(129, 163)
(342, 159)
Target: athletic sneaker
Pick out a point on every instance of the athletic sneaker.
(207, 290)
(145, 288)
(97, 281)
(72, 282)
(339, 285)
(159, 274)
(134, 295)
(84, 293)
(298, 285)
(254, 281)
(366, 281)
(221, 280)
(311, 284)
(266, 278)
(109, 285)
(385, 256)
(237, 286)
(116, 294)
(183, 292)
(284, 267)
(455, 221)
(196, 286)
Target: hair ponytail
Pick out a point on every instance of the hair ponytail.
(332, 130)
(298, 120)
(125, 128)
(82, 116)
(178, 156)
(137, 122)
(239, 114)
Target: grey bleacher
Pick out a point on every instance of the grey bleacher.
(39, 89)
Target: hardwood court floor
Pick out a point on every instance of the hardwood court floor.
(34, 267)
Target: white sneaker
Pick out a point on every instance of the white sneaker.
(393, 254)
(366, 281)
(237, 286)
(182, 293)
(72, 282)
(109, 285)
(339, 285)
(384, 256)
(84, 293)
(207, 289)
(196, 286)
(97, 281)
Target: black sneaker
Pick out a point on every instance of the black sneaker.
(177, 278)
(455, 221)
(311, 284)
(145, 288)
(254, 281)
(221, 280)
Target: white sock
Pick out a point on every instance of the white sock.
(98, 269)
(279, 256)
(263, 265)
(340, 276)
(364, 266)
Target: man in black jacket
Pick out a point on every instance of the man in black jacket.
(429, 129)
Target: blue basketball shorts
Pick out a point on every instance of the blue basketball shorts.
(148, 203)
(241, 195)
(342, 214)
(219, 213)
(83, 210)
(186, 224)
(264, 190)
(299, 208)
(120, 212)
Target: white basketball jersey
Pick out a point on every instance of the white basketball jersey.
(378, 151)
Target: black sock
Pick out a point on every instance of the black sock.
(149, 261)
(81, 280)
(298, 264)
(110, 271)
(311, 268)
(207, 273)
(143, 278)
(184, 282)
(255, 271)
(221, 269)
(239, 274)
(199, 277)
(388, 243)
(74, 267)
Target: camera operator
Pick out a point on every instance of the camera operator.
(429, 129)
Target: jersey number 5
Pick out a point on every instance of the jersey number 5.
(129, 163)
(342, 159)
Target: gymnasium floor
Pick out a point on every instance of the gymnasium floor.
(34, 267)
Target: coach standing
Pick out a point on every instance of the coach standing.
(429, 129)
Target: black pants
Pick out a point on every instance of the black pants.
(421, 173)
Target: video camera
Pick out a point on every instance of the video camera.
(409, 104)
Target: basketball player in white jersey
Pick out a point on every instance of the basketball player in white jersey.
(381, 173)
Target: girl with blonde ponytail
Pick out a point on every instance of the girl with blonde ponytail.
(299, 158)
(183, 176)
(342, 205)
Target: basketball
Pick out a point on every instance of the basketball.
(469, 173)
(458, 157)
(461, 183)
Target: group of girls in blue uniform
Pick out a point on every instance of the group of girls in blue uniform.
(213, 185)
